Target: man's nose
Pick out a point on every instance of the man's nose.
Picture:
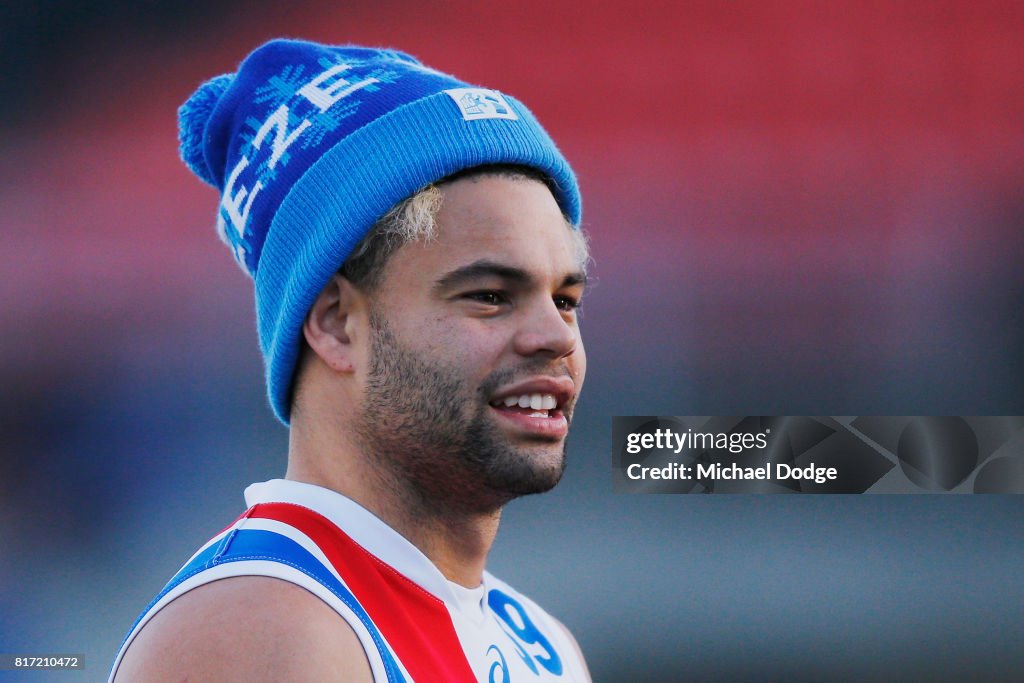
(546, 331)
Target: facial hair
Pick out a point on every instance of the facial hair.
(430, 434)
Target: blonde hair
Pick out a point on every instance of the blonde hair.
(414, 219)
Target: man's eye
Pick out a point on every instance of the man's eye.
(567, 303)
(489, 298)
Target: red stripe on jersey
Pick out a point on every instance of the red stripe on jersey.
(414, 622)
(241, 516)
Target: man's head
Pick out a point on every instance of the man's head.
(310, 145)
(449, 343)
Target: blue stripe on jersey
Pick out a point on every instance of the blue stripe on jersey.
(251, 544)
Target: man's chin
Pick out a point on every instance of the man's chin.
(533, 469)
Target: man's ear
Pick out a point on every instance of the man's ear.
(335, 324)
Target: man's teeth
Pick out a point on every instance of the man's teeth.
(533, 401)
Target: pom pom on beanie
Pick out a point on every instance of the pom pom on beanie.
(192, 119)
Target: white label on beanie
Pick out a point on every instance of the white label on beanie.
(478, 103)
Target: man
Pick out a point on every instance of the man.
(418, 268)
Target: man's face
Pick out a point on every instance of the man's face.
(476, 358)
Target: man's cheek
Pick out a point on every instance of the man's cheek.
(578, 366)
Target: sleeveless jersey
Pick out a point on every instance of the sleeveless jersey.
(413, 623)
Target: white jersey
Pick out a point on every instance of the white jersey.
(413, 623)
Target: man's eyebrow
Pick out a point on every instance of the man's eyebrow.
(487, 268)
(479, 269)
(573, 279)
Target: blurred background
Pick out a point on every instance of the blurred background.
(795, 208)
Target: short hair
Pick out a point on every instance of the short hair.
(414, 219)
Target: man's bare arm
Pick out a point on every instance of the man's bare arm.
(246, 628)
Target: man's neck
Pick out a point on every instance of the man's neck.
(456, 541)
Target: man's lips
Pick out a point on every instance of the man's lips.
(536, 405)
(538, 393)
(541, 423)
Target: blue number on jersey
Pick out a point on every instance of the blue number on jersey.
(514, 616)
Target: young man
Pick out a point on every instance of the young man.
(418, 264)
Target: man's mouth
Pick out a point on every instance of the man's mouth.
(532, 405)
(537, 406)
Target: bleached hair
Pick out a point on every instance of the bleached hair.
(414, 219)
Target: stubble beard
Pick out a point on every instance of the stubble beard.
(415, 430)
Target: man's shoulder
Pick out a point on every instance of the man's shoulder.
(251, 628)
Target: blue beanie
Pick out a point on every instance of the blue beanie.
(309, 145)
